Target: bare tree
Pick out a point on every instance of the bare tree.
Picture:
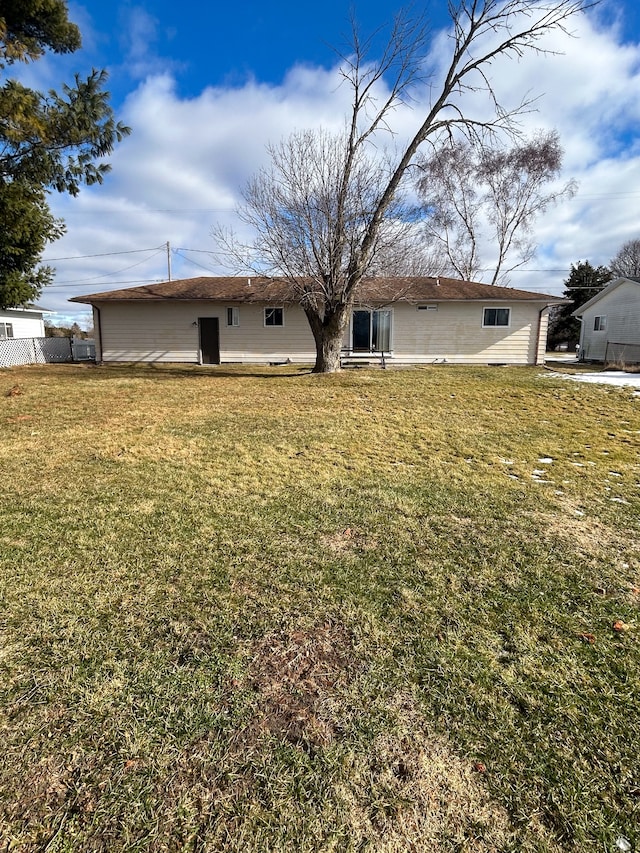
(329, 203)
(453, 206)
(627, 261)
(476, 193)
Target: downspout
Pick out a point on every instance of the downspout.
(538, 333)
(580, 352)
(97, 330)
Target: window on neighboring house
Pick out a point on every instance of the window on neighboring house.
(274, 316)
(6, 331)
(600, 323)
(496, 317)
(233, 316)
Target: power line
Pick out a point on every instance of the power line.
(191, 261)
(102, 254)
(84, 281)
(98, 212)
(132, 281)
(180, 249)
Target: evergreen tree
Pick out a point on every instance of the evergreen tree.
(47, 142)
(584, 282)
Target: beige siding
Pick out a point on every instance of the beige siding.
(168, 332)
(622, 309)
(252, 341)
(454, 333)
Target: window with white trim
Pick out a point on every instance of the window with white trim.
(492, 317)
(233, 316)
(600, 323)
(6, 331)
(274, 316)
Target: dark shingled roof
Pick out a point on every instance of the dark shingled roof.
(371, 291)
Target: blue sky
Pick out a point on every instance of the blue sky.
(226, 44)
(205, 87)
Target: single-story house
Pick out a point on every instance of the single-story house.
(610, 329)
(27, 322)
(254, 320)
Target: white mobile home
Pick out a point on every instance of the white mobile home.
(21, 323)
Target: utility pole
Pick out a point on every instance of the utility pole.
(168, 261)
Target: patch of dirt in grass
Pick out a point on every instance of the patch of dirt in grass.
(49, 789)
(413, 792)
(293, 675)
(348, 540)
(404, 789)
(586, 533)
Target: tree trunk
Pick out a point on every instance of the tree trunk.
(328, 334)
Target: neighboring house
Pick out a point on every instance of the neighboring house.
(25, 322)
(611, 323)
(249, 320)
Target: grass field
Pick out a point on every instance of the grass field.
(259, 610)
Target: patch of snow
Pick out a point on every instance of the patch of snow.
(545, 460)
(617, 378)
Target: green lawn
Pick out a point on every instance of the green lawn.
(259, 610)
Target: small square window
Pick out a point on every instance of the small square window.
(496, 317)
(274, 316)
(6, 330)
(600, 323)
(233, 316)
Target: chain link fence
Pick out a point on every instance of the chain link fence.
(18, 351)
(621, 355)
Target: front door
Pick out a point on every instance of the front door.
(209, 340)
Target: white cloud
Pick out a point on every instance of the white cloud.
(185, 164)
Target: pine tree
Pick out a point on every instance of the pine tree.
(47, 142)
(584, 282)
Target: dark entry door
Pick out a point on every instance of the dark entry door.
(209, 339)
(361, 331)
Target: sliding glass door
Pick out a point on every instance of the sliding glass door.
(371, 331)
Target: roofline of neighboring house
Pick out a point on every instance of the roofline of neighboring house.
(32, 309)
(612, 285)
